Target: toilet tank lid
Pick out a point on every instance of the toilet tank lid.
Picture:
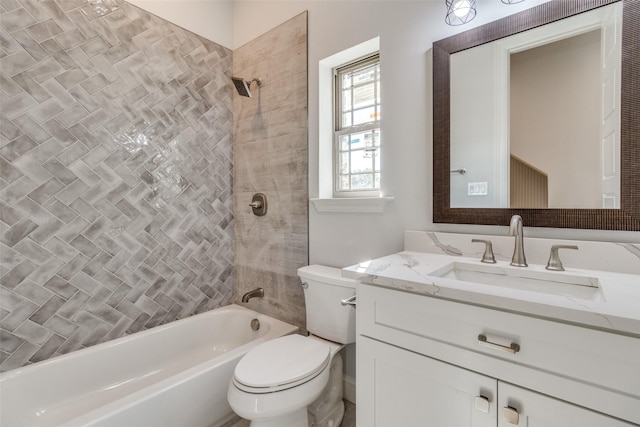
(325, 274)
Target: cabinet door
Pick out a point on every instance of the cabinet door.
(526, 408)
(396, 387)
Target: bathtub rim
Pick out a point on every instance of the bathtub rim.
(126, 401)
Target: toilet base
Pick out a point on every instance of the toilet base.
(298, 418)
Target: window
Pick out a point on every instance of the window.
(356, 142)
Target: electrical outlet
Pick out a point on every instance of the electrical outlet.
(478, 188)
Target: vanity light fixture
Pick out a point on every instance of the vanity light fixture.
(460, 12)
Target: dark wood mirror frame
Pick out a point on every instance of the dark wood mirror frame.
(625, 218)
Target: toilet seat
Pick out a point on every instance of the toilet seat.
(281, 364)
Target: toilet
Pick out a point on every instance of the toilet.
(296, 381)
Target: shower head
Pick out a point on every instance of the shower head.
(243, 86)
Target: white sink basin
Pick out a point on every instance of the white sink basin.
(523, 278)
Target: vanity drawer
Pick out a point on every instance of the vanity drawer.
(499, 340)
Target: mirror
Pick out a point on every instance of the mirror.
(486, 133)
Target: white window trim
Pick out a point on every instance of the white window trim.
(326, 202)
(352, 204)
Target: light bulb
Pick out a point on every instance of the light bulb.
(461, 8)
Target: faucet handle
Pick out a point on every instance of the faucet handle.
(554, 262)
(488, 256)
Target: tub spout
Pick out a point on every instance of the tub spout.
(256, 293)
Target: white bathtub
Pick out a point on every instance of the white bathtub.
(175, 375)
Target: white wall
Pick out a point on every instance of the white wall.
(211, 19)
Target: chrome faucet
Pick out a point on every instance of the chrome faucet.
(515, 229)
(256, 293)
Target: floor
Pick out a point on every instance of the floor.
(349, 419)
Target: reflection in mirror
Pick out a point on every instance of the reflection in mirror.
(488, 115)
(535, 117)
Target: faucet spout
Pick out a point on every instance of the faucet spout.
(515, 229)
(256, 293)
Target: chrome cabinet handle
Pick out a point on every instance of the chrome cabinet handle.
(513, 348)
(349, 301)
(511, 415)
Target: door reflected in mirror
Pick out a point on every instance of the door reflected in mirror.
(535, 117)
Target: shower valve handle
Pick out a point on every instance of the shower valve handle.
(259, 204)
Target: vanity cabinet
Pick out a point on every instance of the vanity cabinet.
(425, 361)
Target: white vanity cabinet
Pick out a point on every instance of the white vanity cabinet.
(425, 361)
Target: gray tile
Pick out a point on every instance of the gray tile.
(29, 249)
(84, 246)
(59, 92)
(17, 105)
(32, 128)
(46, 110)
(30, 44)
(47, 231)
(47, 310)
(17, 232)
(84, 209)
(47, 349)
(60, 171)
(18, 147)
(45, 30)
(72, 153)
(61, 326)
(95, 46)
(61, 287)
(16, 275)
(32, 210)
(70, 39)
(46, 271)
(8, 215)
(8, 172)
(8, 129)
(60, 210)
(33, 292)
(59, 248)
(20, 357)
(31, 86)
(71, 78)
(72, 229)
(19, 315)
(88, 101)
(46, 191)
(84, 62)
(62, 135)
(16, 20)
(46, 70)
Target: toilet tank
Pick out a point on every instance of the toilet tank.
(324, 289)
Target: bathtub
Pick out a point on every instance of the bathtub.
(175, 375)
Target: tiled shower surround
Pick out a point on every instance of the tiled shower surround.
(115, 175)
(270, 152)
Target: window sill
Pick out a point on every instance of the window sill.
(352, 204)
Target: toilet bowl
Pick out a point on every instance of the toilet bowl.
(296, 381)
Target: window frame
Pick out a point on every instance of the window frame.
(339, 130)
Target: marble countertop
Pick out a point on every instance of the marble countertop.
(614, 305)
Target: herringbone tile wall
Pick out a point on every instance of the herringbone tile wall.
(115, 175)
